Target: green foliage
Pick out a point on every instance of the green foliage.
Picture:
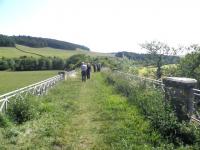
(152, 106)
(4, 64)
(158, 51)
(6, 41)
(75, 61)
(146, 59)
(4, 122)
(115, 63)
(150, 71)
(25, 63)
(190, 66)
(22, 110)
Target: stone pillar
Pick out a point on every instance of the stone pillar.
(181, 95)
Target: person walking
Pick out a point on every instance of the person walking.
(95, 67)
(88, 70)
(98, 67)
(83, 71)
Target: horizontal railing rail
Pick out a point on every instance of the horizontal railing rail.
(196, 92)
(156, 82)
(38, 88)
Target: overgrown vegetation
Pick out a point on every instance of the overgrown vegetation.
(4, 122)
(22, 109)
(162, 118)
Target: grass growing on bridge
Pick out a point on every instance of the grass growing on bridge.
(13, 80)
(77, 115)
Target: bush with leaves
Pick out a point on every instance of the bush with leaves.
(75, 61)
(22, 110)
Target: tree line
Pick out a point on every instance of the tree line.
(37, 42)
(146, 59)
(25, 63)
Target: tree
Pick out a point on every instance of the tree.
(3, 64)
(157, 51)
(75, 61)
(190, 64)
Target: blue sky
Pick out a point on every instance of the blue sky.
(104, 25)
(12, 11)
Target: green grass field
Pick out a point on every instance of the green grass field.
(9, 52)
(13, 80)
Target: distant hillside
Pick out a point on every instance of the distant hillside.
(37, 42)
(19, 50)
(147, 58)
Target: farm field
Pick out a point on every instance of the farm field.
(13, 80)
(150, 71)
(10, 52)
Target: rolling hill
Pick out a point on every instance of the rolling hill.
(38, 42)
(12, 52)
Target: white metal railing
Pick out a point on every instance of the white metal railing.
(144, 79)
(38, 88)
(196, 92)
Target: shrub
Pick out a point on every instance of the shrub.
(22, 110)
(3, 64)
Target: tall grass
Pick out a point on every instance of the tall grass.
(162, 118)
(38, 122)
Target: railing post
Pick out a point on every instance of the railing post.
(64, 74)
(181, 97)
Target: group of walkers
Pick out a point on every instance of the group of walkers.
(86, 70)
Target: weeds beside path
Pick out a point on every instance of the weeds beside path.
(78, 115)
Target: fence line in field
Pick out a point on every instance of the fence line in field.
(38, 88)
(192, 94)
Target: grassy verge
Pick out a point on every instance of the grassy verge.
(45, 130)
(150, 103)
